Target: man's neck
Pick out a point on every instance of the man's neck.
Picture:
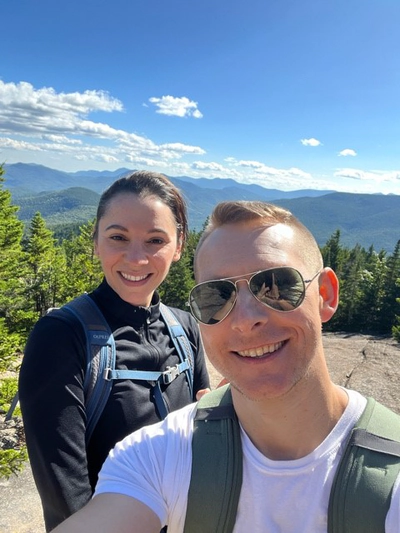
(294, 425)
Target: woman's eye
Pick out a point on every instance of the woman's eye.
(117, 238)
(156, 241)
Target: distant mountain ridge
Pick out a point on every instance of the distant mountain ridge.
(63, 197)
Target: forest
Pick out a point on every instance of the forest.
(42, 268)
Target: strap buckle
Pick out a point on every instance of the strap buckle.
(170, 374)
(107, 374)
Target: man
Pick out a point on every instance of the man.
(261, 299)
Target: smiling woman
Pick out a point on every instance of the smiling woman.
(137, 237)
(140, 230)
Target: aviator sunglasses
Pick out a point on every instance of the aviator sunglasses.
(282, 289)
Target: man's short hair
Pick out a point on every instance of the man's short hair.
(241, 212)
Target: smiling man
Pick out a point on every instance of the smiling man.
(261, 298)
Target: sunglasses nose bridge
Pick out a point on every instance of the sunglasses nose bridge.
(241, 293)
(237, 286)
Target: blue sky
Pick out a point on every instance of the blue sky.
(288, 94)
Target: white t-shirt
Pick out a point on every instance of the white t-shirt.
(153, 465)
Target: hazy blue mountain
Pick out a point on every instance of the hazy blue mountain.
(114, 174)
(21, 178)
(261, 192)
(362, 218)
(72, 197)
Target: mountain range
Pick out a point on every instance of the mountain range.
(72, 197)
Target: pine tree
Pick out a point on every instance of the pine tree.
(350, 292)
(46, 267)
(12, 327)
(84, 271)
(175, 288)
(391, 289)
(333, 254)
(372, 286)
(11, 261)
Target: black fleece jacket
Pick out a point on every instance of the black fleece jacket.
(52, 399)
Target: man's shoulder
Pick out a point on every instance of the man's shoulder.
(177, 424)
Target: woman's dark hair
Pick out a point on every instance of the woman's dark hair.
(143, 184)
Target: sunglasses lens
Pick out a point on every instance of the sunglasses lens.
(210, 302)
(282, 289)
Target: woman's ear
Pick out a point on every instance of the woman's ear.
(329, 293)
(178, 251)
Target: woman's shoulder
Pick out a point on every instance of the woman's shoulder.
(57, 326)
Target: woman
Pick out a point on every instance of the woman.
(140, 229)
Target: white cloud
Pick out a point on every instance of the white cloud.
(19, 145)
(25, 110)
(250, 164)
(23, 97)
(263, 170)
(377, 176)
(175, 106)
(212, 167)
(42, 120)
(346, 152)
(62, 139)
(183, 148)
(145, 162)
(310, 142)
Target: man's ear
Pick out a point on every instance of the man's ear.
(329, 293)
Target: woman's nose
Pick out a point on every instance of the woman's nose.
(135, 253)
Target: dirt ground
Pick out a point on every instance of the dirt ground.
(361, 362)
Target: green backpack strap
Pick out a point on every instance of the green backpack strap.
(362, 488)
(217, 465)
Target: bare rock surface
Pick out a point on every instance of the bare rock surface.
(365, 363)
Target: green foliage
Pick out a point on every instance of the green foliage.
(46, 269)
(76, 204)
(369, 288)
(10, 347)
(11, 259)
(82, 265)
(175, 288)
(12, 462)
(64, 232)
(396, 333)
(8, 389)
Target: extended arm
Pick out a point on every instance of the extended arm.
(112, 513)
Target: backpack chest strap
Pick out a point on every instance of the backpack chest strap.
(166, 377)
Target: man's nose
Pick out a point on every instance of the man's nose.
(248, 313)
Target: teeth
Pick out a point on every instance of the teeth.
(132, 278)
(258, 352)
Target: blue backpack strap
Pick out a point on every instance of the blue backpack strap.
(181, 343)
(101, 354)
